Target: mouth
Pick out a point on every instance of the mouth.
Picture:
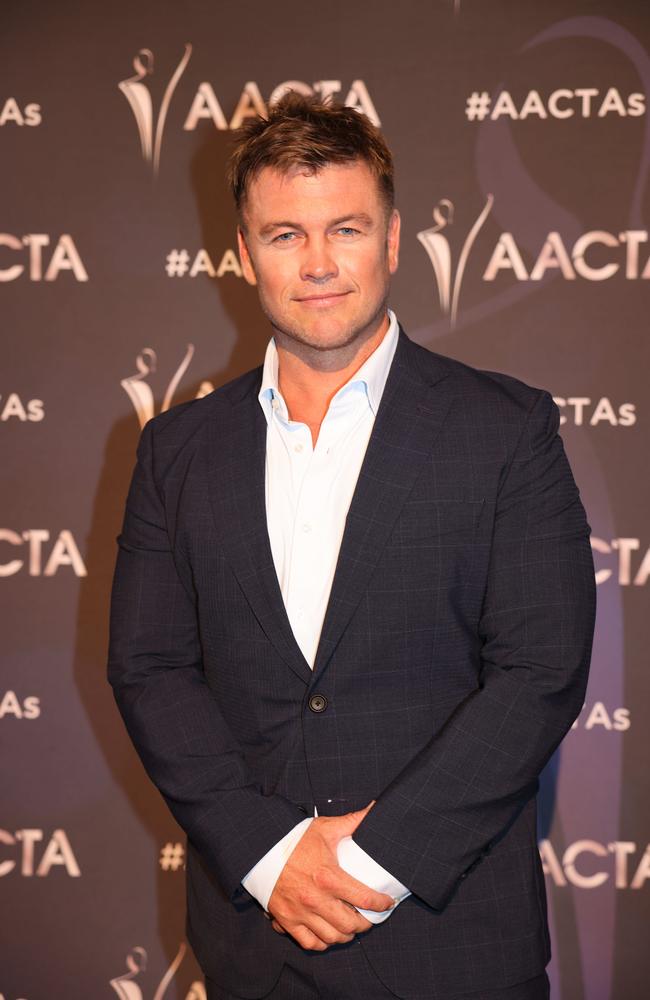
(321, 300)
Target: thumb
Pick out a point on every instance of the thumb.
(352, 820)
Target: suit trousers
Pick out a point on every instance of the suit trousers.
(344, 973)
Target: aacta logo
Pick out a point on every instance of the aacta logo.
(141, 394)
(26, 847)
(621, 253)
(206, 105)
(64, 257)
(136, 962)
(38, 560)
(577, 863)
(582, 411)
(598, 717)
(11, 706)
(12, 407)
(439, 251)
(595, 256)
(628, 568)
(11, 113)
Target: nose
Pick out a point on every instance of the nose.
(318, 264)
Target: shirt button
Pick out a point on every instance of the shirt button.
(317, 703)
(306, 527)
(297, 447)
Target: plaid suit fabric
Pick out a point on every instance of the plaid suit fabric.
(453, 656)
(343, 972)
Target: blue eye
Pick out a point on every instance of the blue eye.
(284, 238)
(348, 231)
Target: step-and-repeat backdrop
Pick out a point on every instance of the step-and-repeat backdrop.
(522, 147)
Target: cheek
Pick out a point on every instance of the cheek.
(274, 281)
(371, 271)
(370, 262)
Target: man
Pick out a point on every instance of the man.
(352, 616)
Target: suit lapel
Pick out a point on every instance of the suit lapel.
(236, 464)
(408, 420)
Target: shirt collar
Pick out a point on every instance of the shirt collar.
(371, 375)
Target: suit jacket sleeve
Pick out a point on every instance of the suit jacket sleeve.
(155, 668)
(436, 821)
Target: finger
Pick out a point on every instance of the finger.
(338, 913)
(330, 920)
(350, 821)
(363, 924)
(342, 917)
(350, 890)
(319, 906)
(307, 939)
(336, 882)
(360, 814)
(363, 812)
(327, 932)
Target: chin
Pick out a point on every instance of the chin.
(328, 339)
(329, 331)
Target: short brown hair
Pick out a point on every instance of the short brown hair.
(302, 131)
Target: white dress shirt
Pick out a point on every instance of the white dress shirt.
(308, 492)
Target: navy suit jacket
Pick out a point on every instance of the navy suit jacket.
(453, 658)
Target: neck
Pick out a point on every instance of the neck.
(309, 379)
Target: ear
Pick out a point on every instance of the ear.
(394, 226)
(245, 258)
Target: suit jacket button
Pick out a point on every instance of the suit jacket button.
(317, 703)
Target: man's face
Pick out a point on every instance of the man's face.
(321, 251)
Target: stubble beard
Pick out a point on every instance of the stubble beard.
(318, 349)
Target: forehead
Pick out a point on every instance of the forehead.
(336, 189)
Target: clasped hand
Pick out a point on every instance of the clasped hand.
(314, 899)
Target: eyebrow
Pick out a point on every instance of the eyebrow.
(361, 217)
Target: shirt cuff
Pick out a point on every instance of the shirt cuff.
(261, 879)
(354, 860)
